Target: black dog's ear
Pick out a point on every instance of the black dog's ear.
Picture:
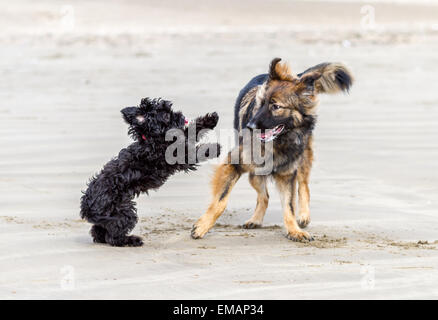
(132, 116)
(326, 78)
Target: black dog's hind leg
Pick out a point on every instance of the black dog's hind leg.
(98, 233)
(118, 226)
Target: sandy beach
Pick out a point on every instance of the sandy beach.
(68, 68)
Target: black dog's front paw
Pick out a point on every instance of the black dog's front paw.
(213, 150)
(213, 119)
(207, 151)
(201, 125)
(209, 121)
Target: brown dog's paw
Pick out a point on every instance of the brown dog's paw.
(251, 225)
(299, 236)
(198, 232)
(303, 222)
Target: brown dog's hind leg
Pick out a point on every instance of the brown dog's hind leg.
(287, 186)
(225, 177)
(259, 184)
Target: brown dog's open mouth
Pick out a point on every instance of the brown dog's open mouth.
(271, 134)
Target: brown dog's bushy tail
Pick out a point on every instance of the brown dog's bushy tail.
(328, 77)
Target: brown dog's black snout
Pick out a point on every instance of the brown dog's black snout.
(251, 125)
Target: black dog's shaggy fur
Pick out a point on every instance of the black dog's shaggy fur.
(108, 201)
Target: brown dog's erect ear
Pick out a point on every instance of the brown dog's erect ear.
(326, 78)
(279, 71)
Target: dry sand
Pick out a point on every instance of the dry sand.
(374, 184)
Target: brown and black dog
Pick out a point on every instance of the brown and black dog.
(280, 106)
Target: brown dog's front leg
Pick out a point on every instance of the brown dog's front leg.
(303, 186)
(287, 186)
(225, 177)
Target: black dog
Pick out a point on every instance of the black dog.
(108, 202)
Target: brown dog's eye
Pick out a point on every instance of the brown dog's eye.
(275, 107)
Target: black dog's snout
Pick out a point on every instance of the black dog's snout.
(129, 114)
